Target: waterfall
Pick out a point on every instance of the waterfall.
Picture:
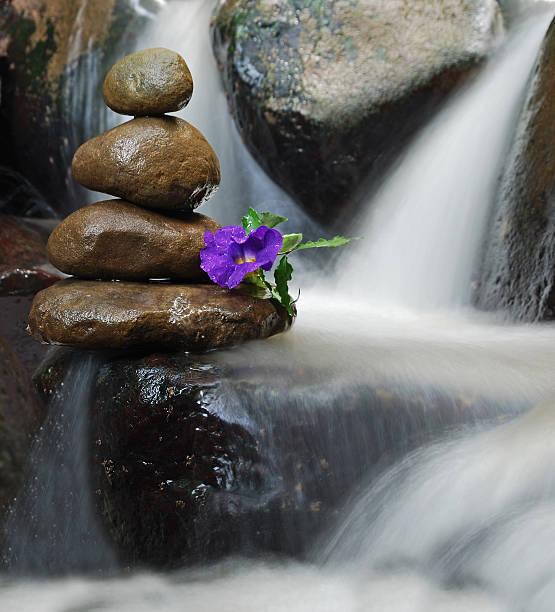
(426, 224)
(52, 527)
(183, 25)
(465, 523)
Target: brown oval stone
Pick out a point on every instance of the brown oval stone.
(122, 315)
(150, 82)
(116, 239)
(156, 162)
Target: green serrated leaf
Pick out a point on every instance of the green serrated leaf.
(270, 220)
(282, 276)
(336, 241)
(290, 242)
(251, 221)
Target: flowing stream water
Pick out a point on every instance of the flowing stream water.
(465, 523)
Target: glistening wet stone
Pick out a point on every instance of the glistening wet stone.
(149, 82)
(118, 240)
(124, 315)
(156, 162)
(195, 457)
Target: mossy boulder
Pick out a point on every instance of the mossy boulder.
(54, 55)
(519, 270)
(326, 91)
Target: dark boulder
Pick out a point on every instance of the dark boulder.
(326, 92)
(24, 267)
(519, 270)
(197, 457)
(21, 413)
(54, 55)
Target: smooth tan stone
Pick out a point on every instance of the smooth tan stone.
(118, 240)
(123, 315)
(150, 82)
(156, 162)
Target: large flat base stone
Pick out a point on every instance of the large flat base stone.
(123, 315)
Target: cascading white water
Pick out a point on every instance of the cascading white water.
(52, 527)
(426, 224)
(463, 525)
(178, 27)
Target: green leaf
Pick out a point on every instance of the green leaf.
(290, 242)
(255, 279)
(270, 220)
(251, 221)
(282, 276)
(336, 241)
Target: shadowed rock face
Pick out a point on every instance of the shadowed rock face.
(122, 315)
(150, 82)
(156, 162)
(24, 267)
(519, 270)
(194, 458)
(118, 240)
(21, 413)
(325, 92)
(54, 55)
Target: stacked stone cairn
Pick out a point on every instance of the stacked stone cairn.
(150, 240)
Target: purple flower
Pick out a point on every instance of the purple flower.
(230, 254)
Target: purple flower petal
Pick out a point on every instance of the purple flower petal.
(230, 254)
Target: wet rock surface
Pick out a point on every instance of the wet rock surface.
(54, 55)
(326, 92)
(24, 267)
(122, 315)
(21, 413)
(156, 162)
(519, 270)
(195, 458)
(150, 82)
(118, 240)
(18, 197)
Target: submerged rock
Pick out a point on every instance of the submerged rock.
(24, 267)
(118, 240)
(156, 162)
(519, 270)
(150, 82)
(198, 457)
(21, 413)
(123, 315)
(325, 92)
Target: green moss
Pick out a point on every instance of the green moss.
(33, 62)
(39, 56)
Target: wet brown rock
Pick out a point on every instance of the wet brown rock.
(157, 162)
(24, 267)
(116, 239)
(150, 82)
(110, 315)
